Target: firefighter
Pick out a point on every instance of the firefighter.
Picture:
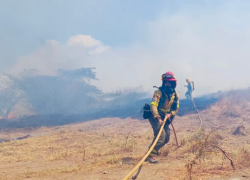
(190, 90)
(165, 102)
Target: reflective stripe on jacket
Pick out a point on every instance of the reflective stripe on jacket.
(161, 104)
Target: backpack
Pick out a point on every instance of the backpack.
(146, 111)
(193, 85)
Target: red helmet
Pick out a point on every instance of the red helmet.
(168, 76)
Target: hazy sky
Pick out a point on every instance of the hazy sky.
(132, 42)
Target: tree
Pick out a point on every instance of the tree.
(67, 92)
(9, 97)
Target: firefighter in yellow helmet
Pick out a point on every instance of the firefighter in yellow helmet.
(165, 102)
(190, 90)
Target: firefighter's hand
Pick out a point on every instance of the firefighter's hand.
(168, 116)
(159, 119)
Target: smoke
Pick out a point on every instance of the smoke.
(68, 92)
(54, 55)
(211, 49)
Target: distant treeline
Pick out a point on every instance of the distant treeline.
(66, 92)
(132, 110)
(36, 100)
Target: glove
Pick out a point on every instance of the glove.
(168, 116)
(159, 119)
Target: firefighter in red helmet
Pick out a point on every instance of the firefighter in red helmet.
(165, 101)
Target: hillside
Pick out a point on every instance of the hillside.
(109, 148)
(132, 110)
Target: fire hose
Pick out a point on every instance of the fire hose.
(198, 117)
(139, 165)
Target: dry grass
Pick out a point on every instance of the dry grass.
(115, 146)
(82, 150)
(73, 151)
(234, 103)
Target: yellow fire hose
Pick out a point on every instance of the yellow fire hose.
(139, 165)
(139, 170)
(149, 151)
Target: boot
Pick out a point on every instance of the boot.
(152, 159)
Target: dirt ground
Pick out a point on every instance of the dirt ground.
(109, 148)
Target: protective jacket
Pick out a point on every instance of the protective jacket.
(190, 86)
(163, 103)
